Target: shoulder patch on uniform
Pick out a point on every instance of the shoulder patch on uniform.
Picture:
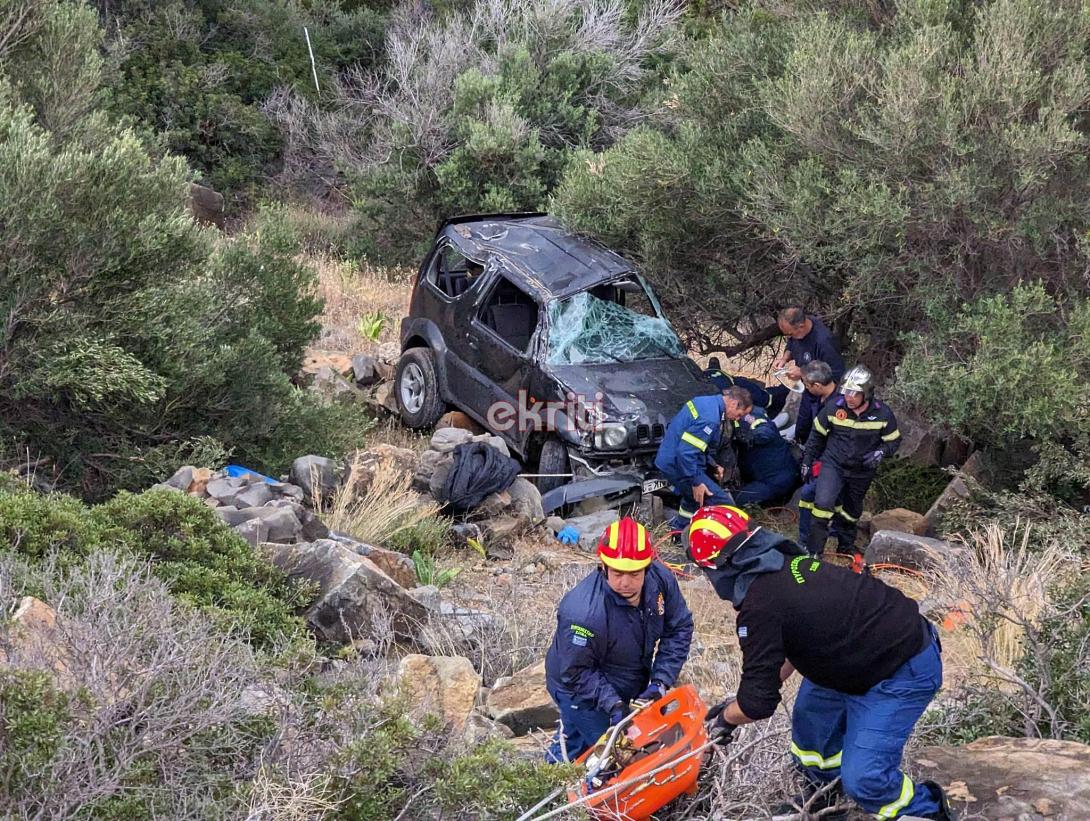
(707, 429)
(743, 632)
(578, 640)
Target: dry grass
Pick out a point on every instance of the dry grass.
(353, 290)
(999, 594)
(375, 503)
(388, 430)
(273, 799)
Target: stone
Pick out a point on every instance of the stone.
(397, 566)
(444, 686)
(494, 442)
(522, 702)
(316, 475)
(363, 465)
(356, 599)
(900, 519)
(259, 700)
(955, 452)
(1012, 779)
(429, 596)
(457, 419)
(29, 636)
(206, 205)
(384, 398)
(389, 352)
(282, 523)
(288, 491)
(182, 478)
(919, 442)
(254, 531)
(426, 465)
(446, 440)
(313, 527)
(168, 488)
(910, 550)
(364, 370)
(337, 362)
(590, 527)
(480, 729)
(255, 495)
(437, 485)
(199, 482)
(330, 384)
(232, 516)
(499, 535)
(526, 499)
(462, 532)
(495, 504)
(226, 489)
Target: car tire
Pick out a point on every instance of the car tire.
(552, 459)
(416, 387)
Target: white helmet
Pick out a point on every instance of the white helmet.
(859, 380)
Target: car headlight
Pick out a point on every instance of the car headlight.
(610, 436)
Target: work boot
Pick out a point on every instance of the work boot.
(829, 799)
(946, 812)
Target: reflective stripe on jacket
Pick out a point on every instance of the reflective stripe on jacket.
(691, 438)
(844, 437)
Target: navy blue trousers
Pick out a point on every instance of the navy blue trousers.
(687, 505)
(582, 724)
(861, 738)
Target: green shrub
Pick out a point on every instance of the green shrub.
(430, 537)
(901, 483)
(33, 718)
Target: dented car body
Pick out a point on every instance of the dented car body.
(549, 340)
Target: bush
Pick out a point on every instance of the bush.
(201, 560)
(901, 483)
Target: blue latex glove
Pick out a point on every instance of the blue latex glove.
(654, 692)
(873, 459)
(617, 714)
(568, 535)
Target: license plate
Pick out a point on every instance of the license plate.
(651, 485)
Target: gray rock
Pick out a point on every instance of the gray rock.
(357, 600)
(445, 440)
(426, 466)
(388, 352)
(315, 475)
(331, 385)
(493, 441)
(428, 595)
(500, 533)
(226, 489)
(313, 527)
(206, 205)
(364, 370)
(289, 491)
(526, 499)
(437, 486)
(397, 566)
(284, 526)
(233, 517)
(495, 505)
(1012, 779)
(919, 442)
(480, 729)
(590, 527)
(461, 534)
(255, 495)
(909, 550)
(254, 531)
(165, 486)
(182, 478)
(522, 702)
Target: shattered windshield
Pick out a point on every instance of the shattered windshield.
(591, 330)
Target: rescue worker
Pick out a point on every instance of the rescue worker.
(769, 399)
(686, 455)
(768, 469)
(870, 663)
(604, 654)
(817, 378)
(808, 340)
(852, 434)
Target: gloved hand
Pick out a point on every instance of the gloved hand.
(617, 714)
(804, 471)
(721, 731)
(654, 692)
(873, 459)
(568, 535)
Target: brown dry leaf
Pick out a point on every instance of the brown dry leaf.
(959, 791)
(1043, 806)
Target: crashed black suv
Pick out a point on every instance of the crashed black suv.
(549, 340)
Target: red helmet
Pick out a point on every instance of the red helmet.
(625, 546)
(711, 528)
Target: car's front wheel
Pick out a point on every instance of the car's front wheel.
(553, 460)
(417, 389)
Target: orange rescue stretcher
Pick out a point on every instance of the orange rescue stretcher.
(646, 761)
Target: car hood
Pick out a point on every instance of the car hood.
(648, 391)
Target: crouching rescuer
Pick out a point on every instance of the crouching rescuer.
(622, 634)
(870, 663)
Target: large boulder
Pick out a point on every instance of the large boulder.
(316, 475)
(364, 370)
(427, 465)
(397, 566)
(1012, 779)
(314, 360)
(909, 550)
(445, 440)
(282, 524)
(445, 686)
(919, 442)
(356, 599)
(900, 519)
(526, 499)
(522, 702)
(328, 383)
(206, 205)
(363, 465)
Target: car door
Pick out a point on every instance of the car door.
(503, 332)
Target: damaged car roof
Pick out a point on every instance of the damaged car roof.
(550, 259)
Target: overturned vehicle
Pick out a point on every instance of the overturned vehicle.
(550, 341)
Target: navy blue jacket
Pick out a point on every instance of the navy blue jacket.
(817, 345)
(845, 437)
(691, 437)
(604, 648)
(763, 454)
(758, 390)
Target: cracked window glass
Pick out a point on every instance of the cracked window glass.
(595, 327)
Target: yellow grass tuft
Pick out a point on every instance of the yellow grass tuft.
(352, 291)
